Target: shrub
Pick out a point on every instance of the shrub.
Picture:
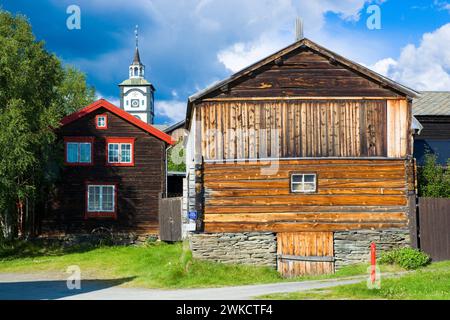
(407, 258)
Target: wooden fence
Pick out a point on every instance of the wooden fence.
(433, 221)
(170, 211)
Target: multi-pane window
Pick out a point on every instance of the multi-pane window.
(120, 151)
(78, 152)
(101, 121)
(101, 198)
(303, 182)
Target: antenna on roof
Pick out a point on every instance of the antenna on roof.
(298, 29)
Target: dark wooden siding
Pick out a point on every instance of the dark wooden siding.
(351, 194)
(434, 221)
(304, 73)
(271, 129)
(434, 127)
(139, 187)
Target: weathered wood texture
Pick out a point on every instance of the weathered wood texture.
(272, 129)
(139, 187)
(434, 227)
(299, 253)
(351, 194)
(304, 72)
(170, 211)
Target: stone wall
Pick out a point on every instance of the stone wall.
(252, 248)
(354, 246)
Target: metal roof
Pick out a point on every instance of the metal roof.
(135, 82)
(432, 103)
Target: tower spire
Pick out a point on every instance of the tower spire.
(137, 58)
(136, 34)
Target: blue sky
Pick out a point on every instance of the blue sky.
(188, 44)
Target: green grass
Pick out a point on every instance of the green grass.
(430, 283)
(157, 265)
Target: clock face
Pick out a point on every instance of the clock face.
(135, 103)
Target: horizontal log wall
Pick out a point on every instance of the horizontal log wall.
(351, 194)
(271, 129)
(304, 72)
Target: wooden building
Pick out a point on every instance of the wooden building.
(308, 146)
(114, 172)
(432, 110)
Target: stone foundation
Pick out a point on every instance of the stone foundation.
(251, 248)
(352, 247)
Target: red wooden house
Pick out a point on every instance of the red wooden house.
(114, 172)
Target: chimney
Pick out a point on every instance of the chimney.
(298, 29)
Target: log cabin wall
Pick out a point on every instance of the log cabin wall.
(351, 194)
(139, 187)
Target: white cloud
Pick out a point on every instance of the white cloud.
(276, 28)
(384, 66)
(173, 109)
(423, 67)
(114, 100)
(241, 55)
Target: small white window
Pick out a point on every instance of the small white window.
(101, 198)
(101, 122)
(120, 153)
(304, 182)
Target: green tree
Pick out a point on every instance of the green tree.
(35, 92)
(176, 160)
(73, 93)
(434, 180)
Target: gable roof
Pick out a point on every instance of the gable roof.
(303, 43)
(175, 126)
(432, 103)
(102, 103)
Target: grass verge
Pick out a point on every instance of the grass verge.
(429, 283)
(157, 265)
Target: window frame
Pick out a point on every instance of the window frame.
(101, 214)
(79, 140)
(291, 182)
(106, 121)
(120, 142)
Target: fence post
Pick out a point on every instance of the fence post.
(413, 213)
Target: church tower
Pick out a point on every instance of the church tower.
(136, 93)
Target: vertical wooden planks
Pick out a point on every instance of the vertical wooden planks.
(305, 253)
(338, 128)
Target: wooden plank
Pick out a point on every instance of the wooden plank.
(306, 258)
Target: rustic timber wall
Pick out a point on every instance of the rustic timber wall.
(352, 247)
(252, 248)
(352, 194)
(304, 72)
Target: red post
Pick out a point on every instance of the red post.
(373, 261)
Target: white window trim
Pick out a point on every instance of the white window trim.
(302, 183)
(101, 197)
(104, 121)
(120, 153)
(79, 152)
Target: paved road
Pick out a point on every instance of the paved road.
(38, 287)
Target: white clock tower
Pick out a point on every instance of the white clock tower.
(136, 93)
